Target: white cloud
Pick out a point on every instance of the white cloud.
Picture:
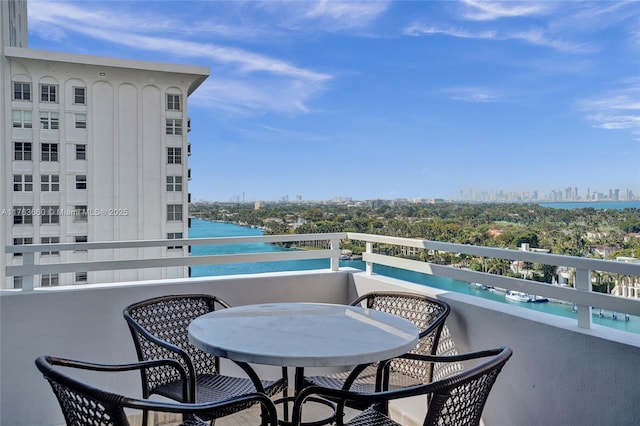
(474, 94)
(244, 81)
(532, 36)
(417, 29)
(616, 110)
(539, 37)
(249, 96)
(344, 14)
(489, 11)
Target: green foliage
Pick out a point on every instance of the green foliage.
(491, 225)
(475, 265)
(630, 225)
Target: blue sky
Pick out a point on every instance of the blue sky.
(378, 99)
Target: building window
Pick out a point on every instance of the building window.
(22, 151)
(81, 277)
(49, 183)
(173, 102)
(81, 182)
(80, 95)
(174, 126)
(21, 91)
(17, 282)
(49, 240)
(49, 280)
(21, 241)
(174, 155)
(22, 215)
(50, 215)
(174, 183)
(49, 120)
(174, 212)
(79, 239)
(49, 152)
(22, 119)
(81, 121)
(23, 183)
(48, 93)
(174, 236)
(81, 152)
(80, 214)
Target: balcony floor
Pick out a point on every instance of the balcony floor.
(252, 416)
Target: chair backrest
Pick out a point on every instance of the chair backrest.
(82, 404)
(428, 314)
(459, 400)
(159, 327)
(85, 405)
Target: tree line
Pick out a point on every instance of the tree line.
(574, 232)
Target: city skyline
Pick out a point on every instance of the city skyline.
(385, 99)
(558, 195)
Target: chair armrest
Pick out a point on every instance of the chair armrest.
(186, 408)
(495, 359)
(452, 358)
(138, 365)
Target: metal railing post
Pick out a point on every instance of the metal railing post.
(583, 282)
(28, 280)
(369, 265)
(335, 255)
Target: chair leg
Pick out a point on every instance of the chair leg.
(339, 413)
(145, 418)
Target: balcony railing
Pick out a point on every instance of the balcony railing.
(580, 296)
(561, 373)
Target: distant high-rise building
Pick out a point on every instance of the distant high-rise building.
(571, 194)
(94, 149)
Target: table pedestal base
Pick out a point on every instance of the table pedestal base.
(288, 400)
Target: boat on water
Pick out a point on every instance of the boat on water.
(482, 286)
(519, 296)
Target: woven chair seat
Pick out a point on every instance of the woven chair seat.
(366, 381)
(371, 417)
(215, 387)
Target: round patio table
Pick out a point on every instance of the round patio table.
(303, 335)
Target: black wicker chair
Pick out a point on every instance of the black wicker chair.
(85, 405)
(159, 330)
(456, 400)
(426, 313)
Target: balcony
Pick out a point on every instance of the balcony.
(564, 371)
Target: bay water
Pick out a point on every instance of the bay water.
(204, 229)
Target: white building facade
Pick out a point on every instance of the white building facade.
(94, 149)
